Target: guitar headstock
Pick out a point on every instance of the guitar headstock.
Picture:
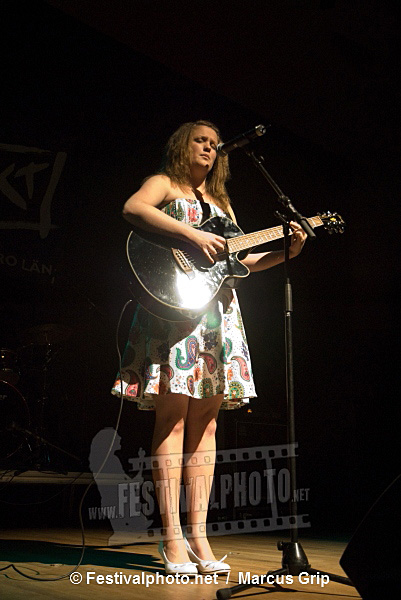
(333, 222)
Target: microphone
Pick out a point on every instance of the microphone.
(241, 140)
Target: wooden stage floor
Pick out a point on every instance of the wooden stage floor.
(53, 553)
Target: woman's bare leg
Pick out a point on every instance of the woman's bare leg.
(167, 449)
(200, 442)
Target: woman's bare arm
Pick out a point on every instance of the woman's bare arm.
(142, 209)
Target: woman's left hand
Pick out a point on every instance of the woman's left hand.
(298, 239)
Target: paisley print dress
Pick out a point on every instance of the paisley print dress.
(199, 359)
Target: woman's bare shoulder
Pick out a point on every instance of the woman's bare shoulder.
(163, 182)
(162, 190)
(157, 181)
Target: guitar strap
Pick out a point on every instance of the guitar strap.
(205, 211)
(226, 294)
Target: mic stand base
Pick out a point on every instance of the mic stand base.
(294, 562)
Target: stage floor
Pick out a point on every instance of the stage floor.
(53, 553)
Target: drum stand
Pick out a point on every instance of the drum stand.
(294, 560)
(41, 345)
(39, 457)
(34, 460)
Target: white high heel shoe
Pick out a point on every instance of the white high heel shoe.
(207, 566)
(187, 568)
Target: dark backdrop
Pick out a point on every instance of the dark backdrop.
(84, 120)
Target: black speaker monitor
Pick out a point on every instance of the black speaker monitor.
(372, 559)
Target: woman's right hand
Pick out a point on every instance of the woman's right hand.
(209, 243)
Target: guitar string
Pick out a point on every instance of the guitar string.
(259, 237)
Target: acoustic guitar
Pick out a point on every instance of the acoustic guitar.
(174, 281)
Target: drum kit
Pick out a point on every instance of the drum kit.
(21, 403)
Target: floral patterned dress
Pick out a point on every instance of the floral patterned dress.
(199, 359)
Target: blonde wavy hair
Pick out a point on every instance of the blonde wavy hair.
(177, 161)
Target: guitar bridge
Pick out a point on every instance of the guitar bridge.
(182, 261)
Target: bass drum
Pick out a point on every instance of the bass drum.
(14, 419)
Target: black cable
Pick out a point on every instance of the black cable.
(83, 545)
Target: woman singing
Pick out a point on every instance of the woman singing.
(187, 371)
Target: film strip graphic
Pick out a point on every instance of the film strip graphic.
(226, 528)
(235, 527)
(267, 455)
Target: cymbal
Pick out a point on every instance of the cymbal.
(48, 333)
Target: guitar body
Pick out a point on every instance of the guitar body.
(173, 280)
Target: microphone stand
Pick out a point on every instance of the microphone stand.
(294, 560)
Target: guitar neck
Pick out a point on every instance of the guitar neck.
(250, 240)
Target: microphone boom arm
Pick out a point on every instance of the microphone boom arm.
(282, 198)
